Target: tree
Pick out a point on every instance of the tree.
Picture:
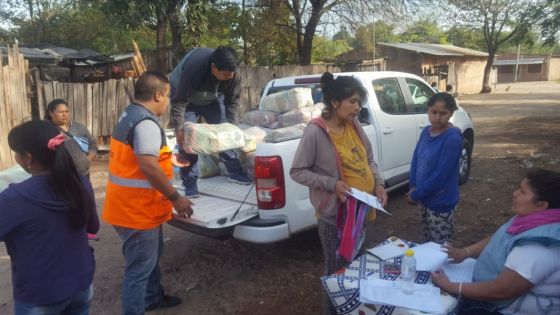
(77, 25)
(466, 37)
(548, 19)
(307, 15)
(499, 20)
(384, 33)
(154, 14)
(325, 50)
(424, 31)
(270, 41)
(344, 34)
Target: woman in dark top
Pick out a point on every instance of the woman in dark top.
(44, 222)
(83, 148)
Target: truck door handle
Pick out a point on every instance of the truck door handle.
(388, 130)
(422, 125)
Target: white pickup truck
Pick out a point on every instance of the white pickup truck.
(276, 206)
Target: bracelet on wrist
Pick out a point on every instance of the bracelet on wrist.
(469, 254)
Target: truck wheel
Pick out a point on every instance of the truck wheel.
(465, 162)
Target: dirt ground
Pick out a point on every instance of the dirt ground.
(517, 127)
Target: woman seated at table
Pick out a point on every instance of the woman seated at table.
(518, 268)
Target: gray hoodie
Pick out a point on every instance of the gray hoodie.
(317, 165)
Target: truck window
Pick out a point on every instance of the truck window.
(389, 96)
(420, 94)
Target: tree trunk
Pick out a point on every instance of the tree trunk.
(161, 27)
(243, 24)
(310, 28)
(486, 87)
(175, 27)
(299, 38)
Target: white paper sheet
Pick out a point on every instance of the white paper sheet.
(367, 198)
(429, 257)
(462, 272)
(425, 298)
(390, 250)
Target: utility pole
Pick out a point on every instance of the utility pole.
(373, 42)
(517, 63)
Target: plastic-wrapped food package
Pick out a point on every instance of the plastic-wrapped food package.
(285, 134)
(301, 115)
(253, 136)
(210, 139)
(262, 118)
(207, 166)
(286, 101)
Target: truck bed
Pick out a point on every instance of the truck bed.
(219, 200)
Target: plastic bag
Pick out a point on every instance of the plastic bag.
(211, 139)
(285, 134)
(286, 101)
(301, 115)
(351, 225)
(262, 118)
(253, 136)
(207, 166)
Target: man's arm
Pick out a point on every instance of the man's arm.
(178, 115)
(147, 143)
(231, 99)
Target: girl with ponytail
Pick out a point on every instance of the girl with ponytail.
(44, 222)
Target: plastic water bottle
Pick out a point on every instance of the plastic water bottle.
(408, 271)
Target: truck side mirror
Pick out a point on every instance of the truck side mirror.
(363, 116)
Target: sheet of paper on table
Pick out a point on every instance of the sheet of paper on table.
(429, 256)
(367, 198)
(462, 272)
(425, 298)
(390, 250)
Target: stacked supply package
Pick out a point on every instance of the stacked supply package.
(301, 115)
(278, 110)
(211, 139)
(285, 101)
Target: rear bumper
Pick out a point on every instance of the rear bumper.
(262, 231)
(221, 234)
(256, 230)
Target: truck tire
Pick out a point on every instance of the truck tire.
(465, 162)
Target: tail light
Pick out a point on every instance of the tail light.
(269, 178)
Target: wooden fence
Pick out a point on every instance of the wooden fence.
(14, 105)
(98, 105)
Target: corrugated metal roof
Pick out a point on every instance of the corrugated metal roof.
(436, 49)
(525, 61)
(33, 54)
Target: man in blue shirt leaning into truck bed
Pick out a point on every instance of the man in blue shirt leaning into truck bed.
(199, 83)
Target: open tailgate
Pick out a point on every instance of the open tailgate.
(219, 201)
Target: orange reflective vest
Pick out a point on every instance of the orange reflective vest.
(130, 200)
